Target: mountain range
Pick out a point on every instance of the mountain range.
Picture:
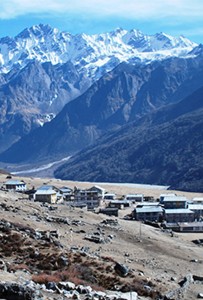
(63, 94)
(91, 54)
(163, 147)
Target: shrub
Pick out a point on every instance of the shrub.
(16, 267)
(44, 278)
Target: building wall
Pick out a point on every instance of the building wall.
(46, 198)
(149, 216)
(134, 198)
(14, 187)
(198, 213)
(191, 228)
(175, 204)
(179, 217)
(109, 212)
(86, 195)
(92, 203)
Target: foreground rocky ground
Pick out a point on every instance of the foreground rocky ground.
(56, 252)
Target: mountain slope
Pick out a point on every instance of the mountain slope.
(121, 96)
(34, 95)
(164, 147)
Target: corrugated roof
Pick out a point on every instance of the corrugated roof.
(178, 211)
(45, 192)
(119, 201)
(190, 224)
(134, 195)
(65, 189)
(195, 206)
(175, 199)
(168, 195)
(45, 187)
(14, 182)
(141, 204)
(148, 209)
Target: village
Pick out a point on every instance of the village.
(82, 240)
(169, 210)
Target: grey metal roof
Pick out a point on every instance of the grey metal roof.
(178, 211)
(134, 195)
(65, 189)
(195, 206)
(175, 199)
(45, 192)
(191, 224)
(141, 204)
(119, 201)
(149, 209)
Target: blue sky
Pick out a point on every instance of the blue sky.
(175, 17)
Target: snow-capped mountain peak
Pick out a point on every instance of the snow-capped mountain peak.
(88, 52)
(38, 31)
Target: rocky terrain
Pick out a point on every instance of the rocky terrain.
(57, 252)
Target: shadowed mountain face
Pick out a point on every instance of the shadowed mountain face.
(164, 147)
(33, 95)
(119, 97)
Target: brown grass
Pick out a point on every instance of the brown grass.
(17, 267)
(44, 278)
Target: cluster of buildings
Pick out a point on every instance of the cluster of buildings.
(91, 197)
(175, 211)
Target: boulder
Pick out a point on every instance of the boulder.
(14, 291)
(121, 270)
(66, 285)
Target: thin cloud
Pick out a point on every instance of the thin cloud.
(198, 31)
(137, 9)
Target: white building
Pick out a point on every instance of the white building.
(135, 197)
(15, 185)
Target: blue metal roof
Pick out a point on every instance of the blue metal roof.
(15, 182)
(45, 187)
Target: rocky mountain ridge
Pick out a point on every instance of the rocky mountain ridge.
(34, 95)
(121, 96)
(91, 54)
